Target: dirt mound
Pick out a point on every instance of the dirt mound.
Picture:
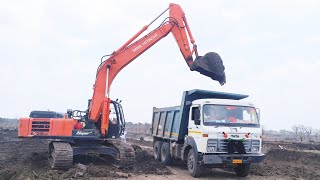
(141, 141)
(289, 163)
(145, 163)
(28, 159)
(299, 146)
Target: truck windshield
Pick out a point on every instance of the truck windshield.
(229, 115)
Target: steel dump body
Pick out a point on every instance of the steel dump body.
(171, 123)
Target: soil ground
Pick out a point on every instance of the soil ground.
(28, 159)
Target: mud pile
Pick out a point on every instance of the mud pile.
(28, 159)
(288, 163)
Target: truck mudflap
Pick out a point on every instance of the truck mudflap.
(232, 158)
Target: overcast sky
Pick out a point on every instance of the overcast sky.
(50, 51)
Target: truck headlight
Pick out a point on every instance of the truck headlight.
(211, 149)
(212, 145)
(255, 146)
(254, 149)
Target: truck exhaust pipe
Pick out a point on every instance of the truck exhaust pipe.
(210, 65)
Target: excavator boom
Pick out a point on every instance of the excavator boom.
(87, 132)
(209, 65)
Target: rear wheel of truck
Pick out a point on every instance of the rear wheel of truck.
(165, 154)
(194, 167)
(157, 150)
(242, 170)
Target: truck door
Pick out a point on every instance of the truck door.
(194, 128)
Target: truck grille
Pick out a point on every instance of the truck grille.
(248, 144)
(40, 126)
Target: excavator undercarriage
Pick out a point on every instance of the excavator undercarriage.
(62, 153)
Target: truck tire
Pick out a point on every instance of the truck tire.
(157, 150)
(194, 167)
(242, 170)
(165, 154)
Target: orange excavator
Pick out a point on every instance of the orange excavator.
(97, 129)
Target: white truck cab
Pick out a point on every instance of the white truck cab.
(209, 128)
(213, 123)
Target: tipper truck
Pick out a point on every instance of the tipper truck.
(209, 129)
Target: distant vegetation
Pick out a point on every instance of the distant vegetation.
(7, 123)
(298, 133)
(7, 119)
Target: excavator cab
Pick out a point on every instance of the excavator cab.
(116, 120)
(210, 65)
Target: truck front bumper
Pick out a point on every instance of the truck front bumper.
(231, 158)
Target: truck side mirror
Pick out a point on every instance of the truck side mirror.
(258, 113)
(196, 116)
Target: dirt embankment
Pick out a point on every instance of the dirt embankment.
(288, 163)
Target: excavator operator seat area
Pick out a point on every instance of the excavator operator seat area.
(116, 120)
(29, 127)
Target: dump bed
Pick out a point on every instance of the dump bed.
(172, 122)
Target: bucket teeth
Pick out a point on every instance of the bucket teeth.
(210, 65)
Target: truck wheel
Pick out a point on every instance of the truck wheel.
(194, 167)
(242, 170)
(165, 154)
(157, 150)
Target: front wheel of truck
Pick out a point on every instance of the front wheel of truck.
(194, 167)
(242, 170)
(157, 150)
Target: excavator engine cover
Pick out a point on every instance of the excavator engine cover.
(210, 65)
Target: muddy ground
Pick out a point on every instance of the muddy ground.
(28, 159)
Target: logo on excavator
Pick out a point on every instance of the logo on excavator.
(144, 43)
(81, 133)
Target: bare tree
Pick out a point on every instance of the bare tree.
(316, 134)
(299, 132)
(295, 130)
(308, 132)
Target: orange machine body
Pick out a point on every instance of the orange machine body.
(176, 23)
(99, 107)
(29, 127)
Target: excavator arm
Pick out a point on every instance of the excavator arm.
(176, 24)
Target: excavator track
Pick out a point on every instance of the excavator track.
(61, 155)
(126, 153)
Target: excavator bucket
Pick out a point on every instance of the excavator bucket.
(210, 65)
